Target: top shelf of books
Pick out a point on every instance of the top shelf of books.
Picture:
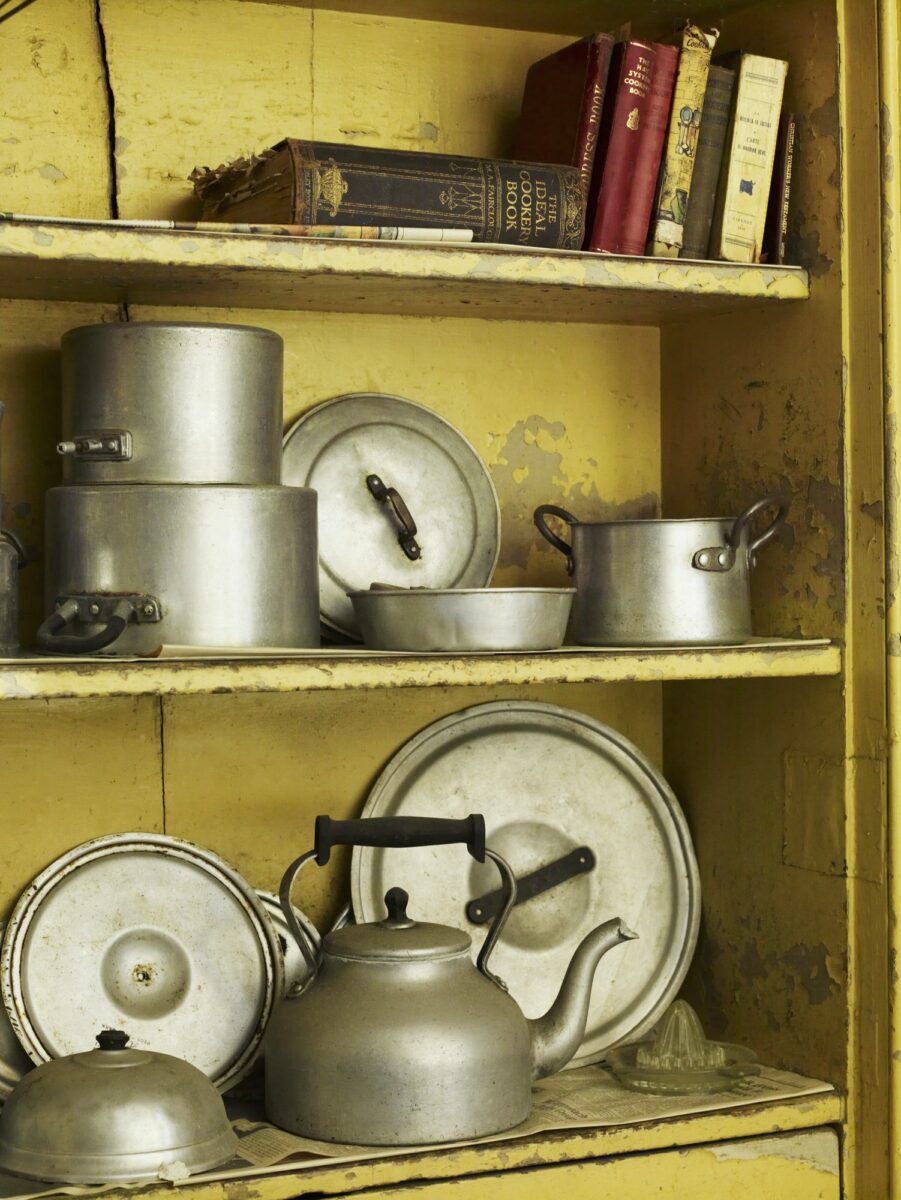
(109, 265)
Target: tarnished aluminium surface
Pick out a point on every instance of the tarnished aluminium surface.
(230, 565)
(113, 1114)
(198, 403)
(461, 619)
(548, 780)
(403, 499)
(172, 945)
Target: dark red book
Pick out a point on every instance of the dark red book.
(561, 105)
(650, 150)
(624, 115)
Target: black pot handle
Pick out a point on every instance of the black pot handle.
(52, 640)
(406, 526)
(552, 510)
(390, 832)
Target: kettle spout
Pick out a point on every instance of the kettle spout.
(556, 1035)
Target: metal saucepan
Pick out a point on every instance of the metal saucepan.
(171, 402)
(130, 569)
(463, 619)
(641, 583)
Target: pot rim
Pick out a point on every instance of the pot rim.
(645, 521)
(119, 326)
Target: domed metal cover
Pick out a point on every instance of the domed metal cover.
(113, 1115)
(170, 943)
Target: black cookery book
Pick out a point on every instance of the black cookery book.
(299, 182)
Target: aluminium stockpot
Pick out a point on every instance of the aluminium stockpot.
(130, 568)
(171, 402)
(650, 582)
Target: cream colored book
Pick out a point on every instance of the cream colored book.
(739, 215)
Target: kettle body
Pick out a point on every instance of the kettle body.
(396, 1037)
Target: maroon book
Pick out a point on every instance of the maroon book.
(650, 151)
(628, 88)
(561, 105)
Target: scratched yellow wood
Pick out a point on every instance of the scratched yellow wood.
(792, 954)
(73, 770)
(793, 860)
(803, 1167)
(53, 120)
(204, 100)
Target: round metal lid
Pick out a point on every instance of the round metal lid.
(550, 782)
(415, 457)
(14, 1062)
(149, 934)
(397, 938)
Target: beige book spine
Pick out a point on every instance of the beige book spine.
(682, 140)
(739, 217)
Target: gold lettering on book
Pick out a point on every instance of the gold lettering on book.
(329, 188)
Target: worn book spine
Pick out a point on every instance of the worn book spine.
(682, 139)
(561, 105)
(300, 182)
(622, 135)
(775, 230)
(711, 141)
(650, 149)
(744, 185)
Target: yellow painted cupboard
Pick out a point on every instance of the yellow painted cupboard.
(613, 387)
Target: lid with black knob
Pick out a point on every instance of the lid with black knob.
(113, 1114)
(398, 937)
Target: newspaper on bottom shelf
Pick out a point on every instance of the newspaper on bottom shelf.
(585, 1098)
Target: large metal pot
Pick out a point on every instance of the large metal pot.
(132, 568)
(171, 402)
(659, 583)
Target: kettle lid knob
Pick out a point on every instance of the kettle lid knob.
(112, 1039)
(396, 900)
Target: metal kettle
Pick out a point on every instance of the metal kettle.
(397, 1038)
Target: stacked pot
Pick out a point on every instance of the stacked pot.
(172, 527)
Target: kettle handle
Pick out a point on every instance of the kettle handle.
(388, 833)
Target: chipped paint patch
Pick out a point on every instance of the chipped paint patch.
(529, 469)
(49, 171)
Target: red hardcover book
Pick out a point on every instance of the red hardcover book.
(561, 105)
(628, 88)
(650, 151)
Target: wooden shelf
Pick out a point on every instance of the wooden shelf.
(577, 17)
(355, 669)
(808, 1112)
(56, 262)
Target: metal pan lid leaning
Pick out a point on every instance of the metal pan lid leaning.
(403, 497)
(591, 830)
(148, 934)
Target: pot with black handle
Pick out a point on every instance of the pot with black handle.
(662, 582)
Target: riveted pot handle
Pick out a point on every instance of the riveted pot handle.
(52, 639)
(552, 510)
(391, 832)
(771, 530)
(722, 558)
(406, 526)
